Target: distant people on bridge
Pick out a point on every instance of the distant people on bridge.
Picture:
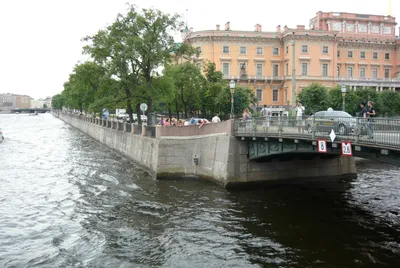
(266, 113)
(364, 120)
(371, 114)
(216, 119)
(246, 115)
(299, 117)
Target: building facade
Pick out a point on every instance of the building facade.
(338, 48)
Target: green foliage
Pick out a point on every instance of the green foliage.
(387, 104)
(314, 98)
(57, 102)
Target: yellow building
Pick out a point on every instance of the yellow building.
(339, 48)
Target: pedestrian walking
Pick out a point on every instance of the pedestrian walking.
(371, 114)
(364, 119)
(299, 117)
(266, 114)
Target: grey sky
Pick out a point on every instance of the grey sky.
(41, 39)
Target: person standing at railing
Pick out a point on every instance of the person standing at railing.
(364, 115)
(371, 114)
(299, 117)
(246, 115)
(266, 114)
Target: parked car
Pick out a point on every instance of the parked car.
(341, 122)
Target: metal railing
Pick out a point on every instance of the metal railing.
(383, 132)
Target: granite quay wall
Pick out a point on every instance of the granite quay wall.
(210, 151)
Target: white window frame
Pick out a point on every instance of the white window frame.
(223, 49)
(245, 51)
(362, 72)
(259, 89)
(229, 68)
(286, 69)
(377, 55)
(387, 53)
(259, 51)
(275, 65)
(262, 69)
(304, 49)
(327, 69)
(348, 53)
(277, 51)
(365, 55)
(323, 50)
(351, 69)
(275, 90)
(389, 71)
(306, 67)
(240, 67)
(375, 69)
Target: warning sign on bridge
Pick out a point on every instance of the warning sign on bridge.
(322, 146)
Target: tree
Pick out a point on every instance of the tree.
(387, 104)
(314, 98)
(132, 49)
(243, 97)
(212, 99)
(57, 102)
(335, 100)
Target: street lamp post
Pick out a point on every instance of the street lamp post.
(232, 87)
(344, 89)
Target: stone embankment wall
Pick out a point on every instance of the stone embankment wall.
(210, 152)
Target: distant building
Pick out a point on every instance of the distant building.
(12, 101)
(41, 103)
(339, 48)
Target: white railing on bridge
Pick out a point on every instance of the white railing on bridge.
(381, 132)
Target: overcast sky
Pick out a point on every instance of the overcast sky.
(41, 39)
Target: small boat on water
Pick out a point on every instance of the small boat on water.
(35, 113)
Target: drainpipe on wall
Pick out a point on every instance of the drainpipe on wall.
(293, 73)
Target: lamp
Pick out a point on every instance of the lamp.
(343, 89)
(232, 87)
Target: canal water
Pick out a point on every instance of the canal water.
(68, 201)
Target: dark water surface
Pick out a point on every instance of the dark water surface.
(68, 201)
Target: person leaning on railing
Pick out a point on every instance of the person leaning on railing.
(371, 114)
(364, 115)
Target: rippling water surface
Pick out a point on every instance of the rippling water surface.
(68, 201)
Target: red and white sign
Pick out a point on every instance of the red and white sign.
(322, 146)
(346, 149)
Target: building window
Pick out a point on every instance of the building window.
(349, 71)
(243, 69)
(275, 51)
(287, 50)
(338, 71)
(362, 72)
(325, 50)
(259, 51)
(387, 73)
(304, 68)
(243, 50)
(387, 56)
(338, 53)
(304, 48)
(375, 55)
(259, 94)
(374, 72)
(287, 69)
(275, 70)
(259, 67)
(225, 68)
(225, 49)
(350, 54)
(362, 55)
(275, 95)
(325, 69)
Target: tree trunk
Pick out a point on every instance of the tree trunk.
(138, 112)
(177, 109)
